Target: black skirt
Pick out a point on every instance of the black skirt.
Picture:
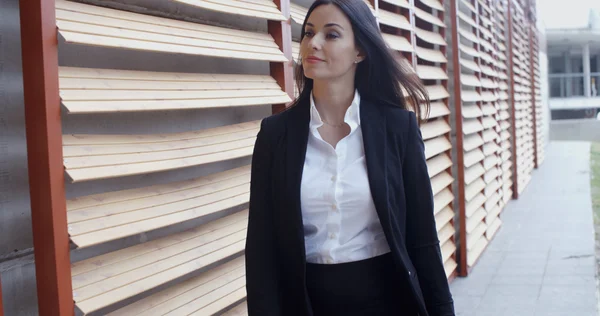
(371, 287)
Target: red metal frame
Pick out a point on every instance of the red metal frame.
(460, 159)
(282, 33)
(39, 45)
(513, 127)
(1, 308)
(533, 94)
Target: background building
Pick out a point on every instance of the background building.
(574, 69)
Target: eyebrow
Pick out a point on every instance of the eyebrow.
(326, 25)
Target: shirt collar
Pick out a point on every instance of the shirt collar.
(352, 116)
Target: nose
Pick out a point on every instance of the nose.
(315, 43)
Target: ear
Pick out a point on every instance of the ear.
(360, 56)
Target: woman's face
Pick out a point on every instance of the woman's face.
(328, 49)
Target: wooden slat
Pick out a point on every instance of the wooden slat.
(476, 252)
(193, 294)
(440, 182)
(433, 129)
(469, 51)
(428, 17)
(470, 96)
(441, 200)
(436, 146)
(239, 310)
(431, 73)
(474, 237)
(92, 25)
(86, 90)
(298, 13)
(438, 109)
(473, 157)
(430, 37)
(263, 9)
(295, 51)
(89, 157)
(493, 229)
(472, 206)
(438, 164)
(101, 218)
(443, 217)
(469, 80)
(437, 92)
(449, 267)
(471, 126)
(473, 173)
(472, 141)
(431, 55)
(448, 249)
(471, 65)
(474, 220)
(434, 4)
(468, 19)
(468, 5)
(473, 189)
(471, 111)
(469, 36)
(398, 43)
(399, 3)
(446, 232)
(105, 280)
(394, 20)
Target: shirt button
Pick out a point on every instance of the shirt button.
(334, 207)
(332, 236)
(333, 178)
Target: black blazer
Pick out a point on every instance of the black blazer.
(401, 189)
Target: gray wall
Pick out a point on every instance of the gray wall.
(16, 246)
(575, 130)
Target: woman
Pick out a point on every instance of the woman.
(341, 210)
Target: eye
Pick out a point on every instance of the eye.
(309, 33)
(332, 35)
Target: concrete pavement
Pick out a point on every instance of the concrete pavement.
(541, 262)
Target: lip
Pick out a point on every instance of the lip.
(312, 59)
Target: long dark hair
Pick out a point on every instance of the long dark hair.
(381, 77)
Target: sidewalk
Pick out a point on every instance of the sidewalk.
(541, 262)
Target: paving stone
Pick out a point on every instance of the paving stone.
(541, 263)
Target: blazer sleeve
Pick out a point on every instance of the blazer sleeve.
(262, 285)
(421, 233)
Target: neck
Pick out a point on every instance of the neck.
(333, 98)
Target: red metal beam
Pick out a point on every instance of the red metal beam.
(460, 159)
(282, 33)
(39, 46)
(1, 308)
(513, 118)
(533, 51)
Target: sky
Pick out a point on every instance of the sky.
(554, 16)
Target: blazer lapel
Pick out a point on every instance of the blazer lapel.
(297, 141)
(373, 126)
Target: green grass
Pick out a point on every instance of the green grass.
(595, 178)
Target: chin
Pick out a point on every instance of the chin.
(314, 75)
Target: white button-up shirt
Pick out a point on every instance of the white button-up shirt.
(340, 220)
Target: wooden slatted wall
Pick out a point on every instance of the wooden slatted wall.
(488, 62)
(202, 270)
(470, 136)
(431, 66)
(207, 260)
(539, 140)
(504, 115)
(521, 97)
